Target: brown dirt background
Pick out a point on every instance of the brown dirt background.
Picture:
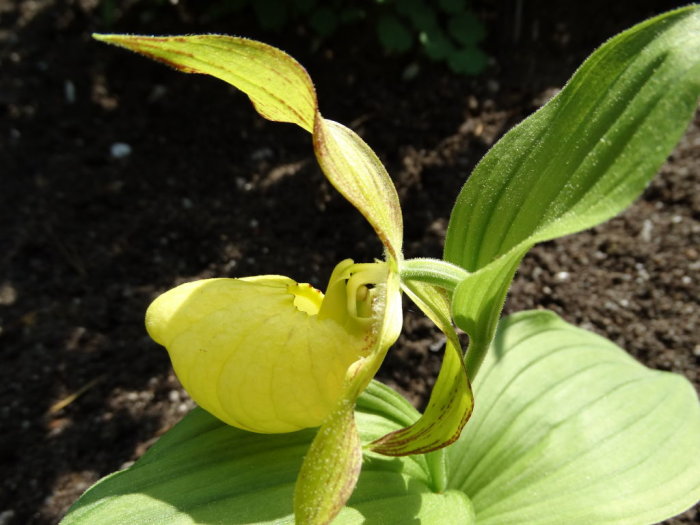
(88, 240)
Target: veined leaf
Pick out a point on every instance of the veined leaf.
(205, 472)
(578, 161)
(569, 428)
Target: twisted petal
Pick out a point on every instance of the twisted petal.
(281, 90)
(254, 352)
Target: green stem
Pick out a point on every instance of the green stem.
(433, 271)
(437, 466)
(476, 352)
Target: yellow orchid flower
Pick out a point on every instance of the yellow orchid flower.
(268, 354)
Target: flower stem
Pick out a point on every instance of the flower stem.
(433, 271)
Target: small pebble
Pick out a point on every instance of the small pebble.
(411, 71)
(69, 91)
(8, 294)
(6, 516)
(437, 345)
(647, 228)
(262, 154)
(641, 271)
(158, 92)
(120, 150)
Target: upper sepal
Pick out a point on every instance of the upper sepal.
(277, 85)
(281, 90)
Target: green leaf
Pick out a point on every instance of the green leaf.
(393, 34)
(451, 400)
(324, 20)
(578, 161)
(453, 6)
(469, 61)
(277, 85)
(352, 14)
(205, 472)
(466, 29)
(436, 45)
(568, 428)
(421, 14)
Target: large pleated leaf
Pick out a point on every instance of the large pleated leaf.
(578, 161)
(206, 472)
(568, 428)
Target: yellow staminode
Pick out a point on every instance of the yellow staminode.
(265, 353)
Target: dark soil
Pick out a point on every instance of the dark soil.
(87, 240)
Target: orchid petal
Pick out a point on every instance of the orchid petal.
(451, 401)
(356, 172)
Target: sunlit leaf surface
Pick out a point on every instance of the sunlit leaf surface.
(568, 428)
(580, 160)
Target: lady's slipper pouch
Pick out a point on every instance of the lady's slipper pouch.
(267, 354)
